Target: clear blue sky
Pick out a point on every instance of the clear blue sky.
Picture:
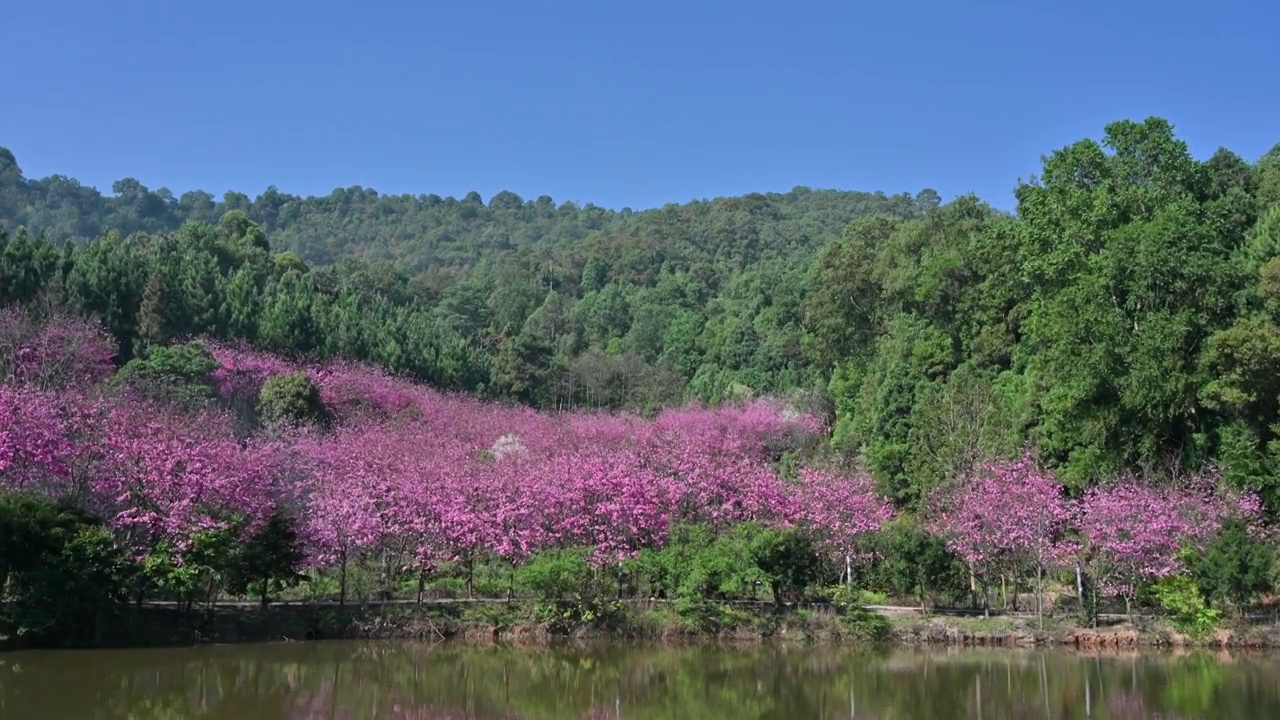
(618, 103)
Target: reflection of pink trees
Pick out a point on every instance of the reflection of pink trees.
(1132, 706)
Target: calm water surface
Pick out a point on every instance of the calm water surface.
(305, 681)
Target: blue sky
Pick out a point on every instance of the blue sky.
(620, 104)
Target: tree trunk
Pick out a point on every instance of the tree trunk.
(266, 584)
(422, 583)
(1040, 596)
(342, 581)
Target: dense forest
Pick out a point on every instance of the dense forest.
(559, 306)
(1106, 357)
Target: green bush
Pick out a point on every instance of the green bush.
(844, 596)
(180, 374)
(1236, 568)
(554, 575)
(290, 400)
(571, 592)
(1181, 599)
(866, 624)
(705, 616)
(267, 561)
(69, 578)
(786, 558)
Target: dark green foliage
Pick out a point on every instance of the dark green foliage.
(205, 564)
(290, 400)
(570, 591)
(1237, 568)
(697, 562)
(866, 625)
(66, 578)
(787, 560)
(1123, 320)
(1269, 179)
(158, 320)
(175, 373)
(267, 561)
(914, 563)
(556, 575)
(528, 300)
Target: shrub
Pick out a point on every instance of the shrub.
(1179, 596)
(290, 400)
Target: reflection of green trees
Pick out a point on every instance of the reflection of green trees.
(345, 680)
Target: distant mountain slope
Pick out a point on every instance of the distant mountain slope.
(553, 304)
(418, 232)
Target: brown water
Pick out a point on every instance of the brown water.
(304, 681)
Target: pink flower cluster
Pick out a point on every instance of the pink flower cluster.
(54, 352)
(1012, 517)
(443, 477)
(419, 476)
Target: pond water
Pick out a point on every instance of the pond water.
(340, 680)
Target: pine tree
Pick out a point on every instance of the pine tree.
(157, 319)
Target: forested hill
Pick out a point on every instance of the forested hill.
(558, 305)
(419, 232)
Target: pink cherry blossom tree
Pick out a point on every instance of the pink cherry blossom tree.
(34, 441)
(1007, 517)
(842, 509)
(55, 352)
(1135, 531)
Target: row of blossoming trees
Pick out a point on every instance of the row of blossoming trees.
(410, 480)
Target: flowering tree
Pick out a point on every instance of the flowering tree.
(34, 442)
(1007, 517)
(57, 352)
(1135, 532)
(408, 478)
(842, 509)
(166, 474)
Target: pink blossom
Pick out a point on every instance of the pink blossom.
(1008, 516)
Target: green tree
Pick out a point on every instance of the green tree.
(1236, 568)
(268, 560)
(290, 400)
(179, 373)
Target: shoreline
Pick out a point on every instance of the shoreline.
(498, 622)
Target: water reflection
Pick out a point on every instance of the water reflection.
(349, 681)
